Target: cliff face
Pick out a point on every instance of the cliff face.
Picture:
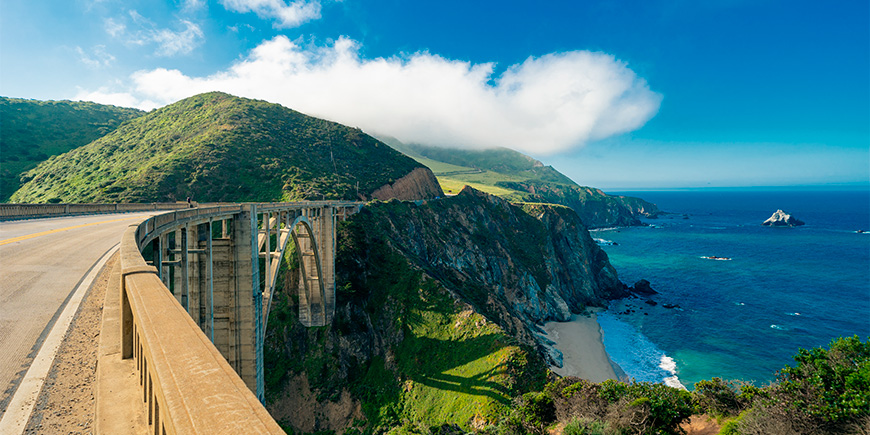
(418, 184)
(536, 264)
(437, 307)
(596, 208)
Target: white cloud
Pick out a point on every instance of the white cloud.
(285, 15)
(547, 104)
(97, 58)
(182, 42)
(192, 5)
(143, 31)
(114, 28)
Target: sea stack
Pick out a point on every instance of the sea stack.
(782, 219)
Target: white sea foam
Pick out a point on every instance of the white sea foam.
(595, 230)
(668, 363)
(603, 242)
(635, 354)
(674, 382)
(779, 327)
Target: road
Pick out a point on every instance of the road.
(41, 263)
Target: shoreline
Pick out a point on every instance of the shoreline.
(581, 342)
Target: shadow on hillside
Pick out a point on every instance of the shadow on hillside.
(471, 371)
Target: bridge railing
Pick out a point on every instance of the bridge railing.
(23, 211)
(188, 386)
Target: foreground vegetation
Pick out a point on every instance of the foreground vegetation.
(826, 392)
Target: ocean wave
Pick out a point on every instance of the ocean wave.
(604, 242)
(739, 304)
(635, 354)
(780, 327)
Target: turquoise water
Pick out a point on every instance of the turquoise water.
(783, 289)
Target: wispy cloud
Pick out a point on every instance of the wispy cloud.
(113, 27)
(286, 15)
(192, 5)
(545, 104)
(96, 58)
(172, 43)
(139, 30)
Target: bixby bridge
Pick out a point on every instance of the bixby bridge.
(192, 304)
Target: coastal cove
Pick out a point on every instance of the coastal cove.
(783, 289)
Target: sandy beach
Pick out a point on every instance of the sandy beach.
(582, 347)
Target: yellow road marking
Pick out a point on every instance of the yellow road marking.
(45, 233)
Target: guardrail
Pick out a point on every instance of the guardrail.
(25, 211)
(187, 384)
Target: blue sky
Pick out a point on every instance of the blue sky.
(616, 94)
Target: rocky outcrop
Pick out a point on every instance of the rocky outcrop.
(418, 184)
(782, 219)
(595, 208)
(643, 287)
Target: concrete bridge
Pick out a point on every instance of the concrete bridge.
(194, 294)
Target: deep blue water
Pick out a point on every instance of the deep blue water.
(783, 289)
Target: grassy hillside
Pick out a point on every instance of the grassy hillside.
(407, 347)
(217, 147)
(520, 178)
(32, 131)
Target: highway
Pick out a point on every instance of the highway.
(41, 263)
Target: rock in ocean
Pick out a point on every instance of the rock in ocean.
(782, 219)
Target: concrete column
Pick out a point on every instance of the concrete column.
(326, 245)
(246, 302)
(225, 336)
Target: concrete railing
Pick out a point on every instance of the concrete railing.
(187, 383)
(25, 211)
(188, 386)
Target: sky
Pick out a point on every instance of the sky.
(619, 95)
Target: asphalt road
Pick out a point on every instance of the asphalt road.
(41, 262)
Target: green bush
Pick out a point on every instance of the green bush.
(717, 397)
(586, 427)
(537, 409)
(828, 391)
(830, 384)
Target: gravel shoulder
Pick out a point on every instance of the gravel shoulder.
(66, 402)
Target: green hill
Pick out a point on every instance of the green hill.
(217, 147)
(520, 178)
(31, 131)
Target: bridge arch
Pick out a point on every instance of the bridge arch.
(313, 288)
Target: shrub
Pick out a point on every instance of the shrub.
(537, 409)
(717, 397)
(586, 427)
(828, 391)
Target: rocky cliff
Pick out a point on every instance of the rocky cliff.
(437, 313)
(596, 208)
(418, 184)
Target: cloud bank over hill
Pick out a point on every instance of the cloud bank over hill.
(546, 104)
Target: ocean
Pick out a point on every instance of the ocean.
(743, 318)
